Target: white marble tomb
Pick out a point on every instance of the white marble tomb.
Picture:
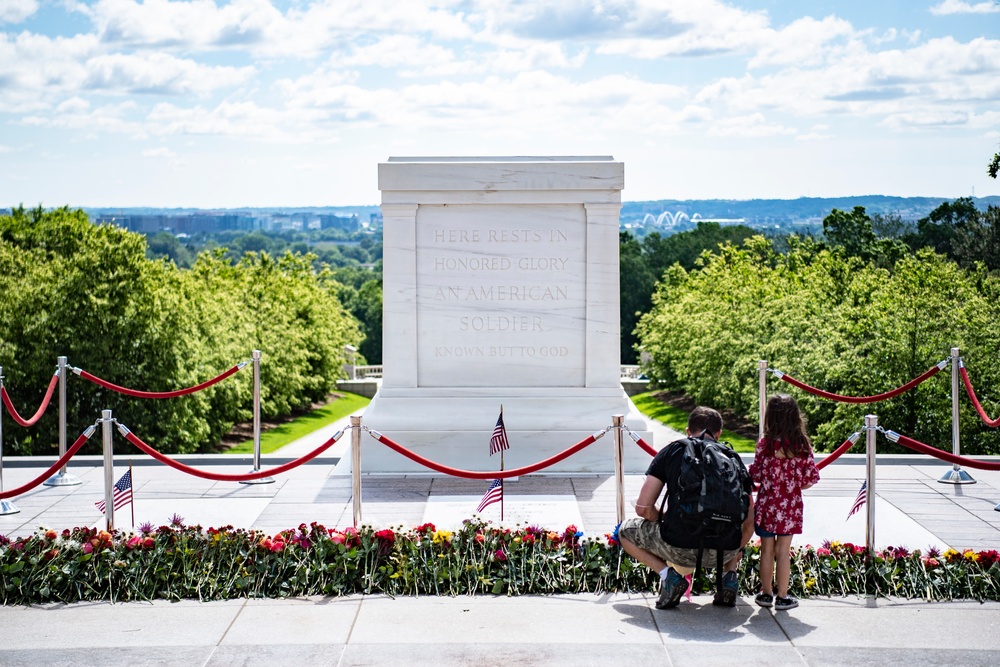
(500, 287)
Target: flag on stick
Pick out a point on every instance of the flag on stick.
(493, 494)
(498, 442)
(859, 502)
(122, 493)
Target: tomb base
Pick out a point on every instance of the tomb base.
(453, 428)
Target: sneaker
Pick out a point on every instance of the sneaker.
(764, 600)
(782, 604)
(726, 595)
(671, 590)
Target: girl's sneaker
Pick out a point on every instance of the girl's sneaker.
(782, 604)
(764, 600)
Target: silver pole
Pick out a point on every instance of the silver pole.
(956, 475)
(109, 471)
(6, 506)
(356, 467)
(256, 423)
(256, 410)
(871, 431)
(617, 421)
(62, 478)
(762, 392)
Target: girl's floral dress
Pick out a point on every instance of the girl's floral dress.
(779, 499)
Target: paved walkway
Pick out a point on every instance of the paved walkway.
(913, 510)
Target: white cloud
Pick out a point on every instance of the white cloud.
(15, 11)
(803, 43)
(161, 74)
(753, 125)
(259, 27)
(244, 120)
(691, 29)
(161, 152)
(959, 7)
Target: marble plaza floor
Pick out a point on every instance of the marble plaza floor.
(912, 509)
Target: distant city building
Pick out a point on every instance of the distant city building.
(180, 224)
(343, 223)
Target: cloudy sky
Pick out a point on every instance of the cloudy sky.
(216, 103)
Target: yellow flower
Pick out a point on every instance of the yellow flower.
(516, 540)
(810, 583)
(440, 536)
(969, 554)
(950, 553)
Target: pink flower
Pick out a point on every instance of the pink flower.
(823, 551)
(87, 547)
(277, 545)
(500, 555)
(337, 537)
(134, 542)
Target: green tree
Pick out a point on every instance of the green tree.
(635, 285)
(88, 292)
(851, 231)
(938, 229)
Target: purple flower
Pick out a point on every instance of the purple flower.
(177, 521)
(146, 528)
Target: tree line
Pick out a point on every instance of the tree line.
(90, 293)
(867, 307)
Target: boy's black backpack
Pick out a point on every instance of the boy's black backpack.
(707, 502)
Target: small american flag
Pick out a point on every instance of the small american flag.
(859, 502)
(499, 439)
(122, 494)
(493, 494)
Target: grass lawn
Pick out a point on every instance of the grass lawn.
(279, 436)
(676, 419)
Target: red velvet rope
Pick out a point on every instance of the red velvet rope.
(945, 456)
(933, 370)
(643, 445)
(41, 409)
(835, 454)
(992, 423)
(157, 394)
(473, 474)
(224, 477)
(80, 442)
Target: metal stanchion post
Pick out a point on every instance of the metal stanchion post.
(6, 506)
(871, 431)
(762, 392)
(62, 478)
(356, 467)
(617, 421)
(109, 471)
(956, 475)
(256, 423)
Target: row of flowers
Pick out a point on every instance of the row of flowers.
(184, 562)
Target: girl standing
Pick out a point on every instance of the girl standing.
(783, 467)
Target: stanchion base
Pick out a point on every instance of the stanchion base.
(957, 477)
(7, 507)
(63, 479)
(262, 480)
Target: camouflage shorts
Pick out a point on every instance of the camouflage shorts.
(646, 535)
